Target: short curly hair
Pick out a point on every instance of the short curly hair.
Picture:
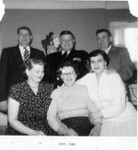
(28, 64)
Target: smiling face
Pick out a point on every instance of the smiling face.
(56, 41)
(36, 73)
(68, 76)
(103, 40)
(67, 42)
(98, 64)
(24, 38)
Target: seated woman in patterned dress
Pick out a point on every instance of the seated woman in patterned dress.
(70, 110)
(107, 90)
(28, 103)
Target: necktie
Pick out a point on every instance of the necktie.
(26, 54)
(64, 55)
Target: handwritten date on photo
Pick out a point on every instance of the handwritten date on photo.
(67, 144)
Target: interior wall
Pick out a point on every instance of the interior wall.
(119, 15)
(82, 22)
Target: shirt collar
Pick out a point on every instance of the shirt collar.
(22, 48)
(108, 49)
(65, 51)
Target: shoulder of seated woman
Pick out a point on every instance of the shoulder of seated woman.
(111, 71)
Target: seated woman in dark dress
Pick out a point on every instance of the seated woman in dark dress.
(28, 103)
(70, 111)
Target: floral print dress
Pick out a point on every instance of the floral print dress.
(33, 108)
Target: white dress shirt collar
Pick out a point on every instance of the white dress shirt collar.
(65, 51)
(108, 49)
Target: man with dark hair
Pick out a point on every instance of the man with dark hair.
(119, 56)
(11, 61)
(67, 52)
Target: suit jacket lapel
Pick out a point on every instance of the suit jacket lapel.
(31, 52)
(111, 52)
(18, 55)
(71, 54)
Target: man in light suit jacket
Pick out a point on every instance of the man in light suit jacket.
(119, 57)
(11, 62)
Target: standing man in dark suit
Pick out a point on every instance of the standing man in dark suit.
(119, 57)
(66, 53)
(11, 62)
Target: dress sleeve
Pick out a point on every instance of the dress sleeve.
(118, 97)
(92, 108)
(52, 113)
(90, 103)
(15, 92)
(84, 80)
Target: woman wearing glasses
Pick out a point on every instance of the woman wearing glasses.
(70, 112)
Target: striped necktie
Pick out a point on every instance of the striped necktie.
(26, 54)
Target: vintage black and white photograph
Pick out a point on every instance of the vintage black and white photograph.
(68, 74)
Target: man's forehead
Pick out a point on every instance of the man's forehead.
(24, 31)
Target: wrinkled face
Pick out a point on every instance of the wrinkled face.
(103, 40)
(24, 37)
(67, 42)
(68, 76)
(35, 74)
(98, 64)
